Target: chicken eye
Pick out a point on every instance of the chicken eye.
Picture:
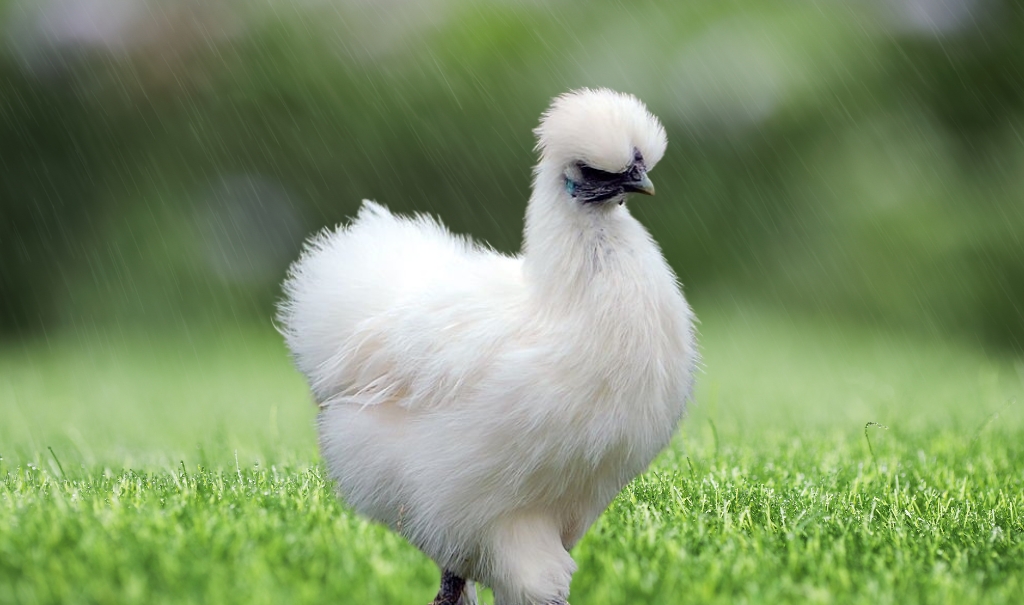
(594, 175)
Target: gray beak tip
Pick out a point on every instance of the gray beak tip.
(644, 186)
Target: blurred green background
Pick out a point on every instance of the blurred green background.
(842, 196)
(161, 162)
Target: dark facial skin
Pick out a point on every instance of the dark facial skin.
(596, 186)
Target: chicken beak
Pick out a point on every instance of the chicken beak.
(644, 186)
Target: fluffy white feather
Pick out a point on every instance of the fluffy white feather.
(489, 407)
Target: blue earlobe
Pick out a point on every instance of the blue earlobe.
(570, 187)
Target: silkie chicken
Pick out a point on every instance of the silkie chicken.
(489, 407)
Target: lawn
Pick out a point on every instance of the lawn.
(820, 463)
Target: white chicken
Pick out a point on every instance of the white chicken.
(487, 407)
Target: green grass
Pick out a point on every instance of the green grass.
(184, 469)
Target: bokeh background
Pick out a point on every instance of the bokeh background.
(161, 161)
(842, 196)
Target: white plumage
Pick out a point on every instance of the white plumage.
(490, 407)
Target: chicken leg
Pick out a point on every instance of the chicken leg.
(454, 591)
